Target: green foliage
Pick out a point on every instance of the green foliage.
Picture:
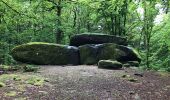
(37, 81)
(160, 52)
(2, 84)
(9, 68)
(23, 21)
(30, 68)
(11, 93)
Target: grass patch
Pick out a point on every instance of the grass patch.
(37, 81)
(30, 68)
(129, 78)
(9, 68)
(22, 79)
(11, 93)
(16, 78)
(7, 77)
(132, 79)
(164, 74)
(2, 84)
(24, 68)
(125, 76)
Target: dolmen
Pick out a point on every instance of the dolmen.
(88, 49)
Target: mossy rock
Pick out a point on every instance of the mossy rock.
(106, 51)
(109, 64)
(46, 54)
(92, 53)
(88, 54)
(132, 63)
(126, 65)
(127, 54)
(96, 38)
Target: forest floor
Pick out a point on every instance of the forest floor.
(85, 83)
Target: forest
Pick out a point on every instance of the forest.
(145, 23)
(84, 49)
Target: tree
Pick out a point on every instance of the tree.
(150, 14)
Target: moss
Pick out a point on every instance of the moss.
(136, 52)
(109, 64)
(88, 54)
(126, 65)
(127, 54)
(164, 74)
(125, 76)
(23, 79)
(9, 68)
(129, 78)
(131, 64)
(5, 67)
(30, 68)
(2, 84)
(92, 38)
(93, 53)
(168, 69)
(90, 61)
(132, 79)
(5, 77)
(11, 93)
(107, 51)
(37, 81)
(16, 78)
(42, 53)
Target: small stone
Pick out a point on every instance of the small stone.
(1, 72)
(46, 80)
(131, 92)
(137, 97)
(109, 64)
(139, 74)
(132, 80)
(124, 76)
(44, 92)
(126, 65)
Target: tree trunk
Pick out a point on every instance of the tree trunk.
(112, 25)
(59, 31)
(75, 17)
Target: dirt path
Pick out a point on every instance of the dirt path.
(91, 83)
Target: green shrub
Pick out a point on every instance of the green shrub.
(168, 69)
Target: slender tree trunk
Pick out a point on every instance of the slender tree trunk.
(59, 31)
(125, 17)
(112, 24)
(119, 26)
(75, 17)
(88, 23)
(167, 6)
(115, 31)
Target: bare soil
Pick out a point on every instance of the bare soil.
(90, 83)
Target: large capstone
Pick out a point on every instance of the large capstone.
(82, 39)
(91, 53)
(46, 54)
